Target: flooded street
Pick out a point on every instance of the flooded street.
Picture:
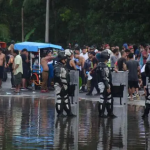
(31, 124)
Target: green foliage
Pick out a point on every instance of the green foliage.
(27, 37)
(4, 32)
(78, 21)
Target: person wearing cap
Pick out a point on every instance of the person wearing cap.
(61, 81)
(104, 79)
(45, 73)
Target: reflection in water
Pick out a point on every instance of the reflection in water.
(27, 123)
(138, 129)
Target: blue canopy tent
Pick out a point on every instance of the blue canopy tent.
(35, 47)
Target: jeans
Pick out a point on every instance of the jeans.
(94, 84)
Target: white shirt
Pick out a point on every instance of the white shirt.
(96, 51)
(85, 56)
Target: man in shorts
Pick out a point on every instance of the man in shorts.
(134, 68)
(44, 62)
(2, 62)
(18, 70)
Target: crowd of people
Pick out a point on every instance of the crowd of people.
(128, 57)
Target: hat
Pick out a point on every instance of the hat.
(130, 47)
(125, 45)
(93, 53)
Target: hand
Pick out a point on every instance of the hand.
(116, 70)
(85, 75)
(108, 91)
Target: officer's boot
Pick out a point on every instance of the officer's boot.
(67, 107)
(101, 110)
(109, 107)
(59, 108)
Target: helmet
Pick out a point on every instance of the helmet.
(103, 56)
(61, 55)
(68, 52)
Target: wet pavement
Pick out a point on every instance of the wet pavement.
(30, 124)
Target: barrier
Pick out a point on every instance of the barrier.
(121, 79)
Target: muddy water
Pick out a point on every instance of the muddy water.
(30, 124)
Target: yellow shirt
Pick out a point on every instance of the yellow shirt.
(18, 61)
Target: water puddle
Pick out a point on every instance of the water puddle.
(31, 124)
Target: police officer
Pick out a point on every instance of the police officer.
(147, 102)
(104, 78)
(61, 81)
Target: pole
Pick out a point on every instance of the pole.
(47, 22)
(22, 18)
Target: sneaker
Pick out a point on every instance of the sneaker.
(43, 91)
(23, 89)
(129, 96)
(133, 95)
(13, 88)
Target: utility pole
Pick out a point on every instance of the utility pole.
(22, 19)
(47, 22)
